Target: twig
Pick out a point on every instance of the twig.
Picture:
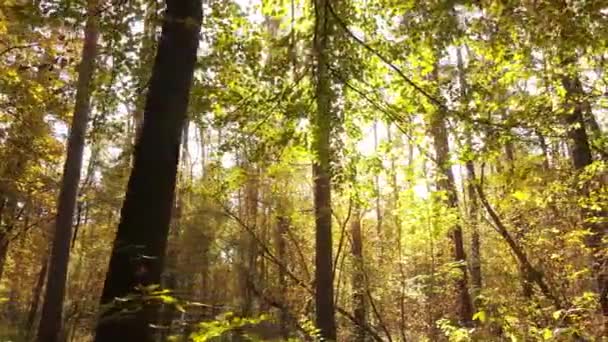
(342, 236)
(15, 47)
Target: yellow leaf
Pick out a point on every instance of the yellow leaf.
(521, 195)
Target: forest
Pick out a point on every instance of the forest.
(290, 170)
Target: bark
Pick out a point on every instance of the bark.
(52, 307)
(358, 276)
(141, 239)
(580, 151)
(446, 184)
(321, 123)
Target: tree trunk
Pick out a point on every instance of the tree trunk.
(321, 126)
(31, 316)
(8, 220)
(138, 251)
(475, 239)
(3, 251)
(248, 250)
(281, 231)
(378, 208)
(545, 150)
(446, 184)
(358, 276)
(399, 231)
(580, 151)
(582, 157)
(52, 307)
(470, 189)
(3, 235)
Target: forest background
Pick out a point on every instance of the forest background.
(348, 170)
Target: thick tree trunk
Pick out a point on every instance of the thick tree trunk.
(138, 251)
(52, 307)
(321, 123)
(446, 184)
(358, 276)
(580, 151)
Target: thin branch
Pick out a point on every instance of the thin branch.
(392, 116)
(342, 236)
(377, 314)
(433, 100)
(280, 306)
(15, 47)
(536, 275)
(386, 61)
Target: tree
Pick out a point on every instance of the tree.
(321, 126)
(138, 251)
(582, 157)
(445, 184)
(51, 322)
(473, 205)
